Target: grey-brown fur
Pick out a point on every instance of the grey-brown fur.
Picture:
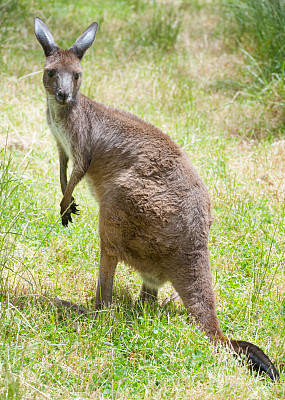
(154, 208)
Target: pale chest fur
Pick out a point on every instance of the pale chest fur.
(58, 130)
(61, 136)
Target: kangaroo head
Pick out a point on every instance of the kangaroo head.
(62, 71)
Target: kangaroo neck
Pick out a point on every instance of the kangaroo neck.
(58, 112)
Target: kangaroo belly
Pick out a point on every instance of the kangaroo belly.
(149, 229)
(129, 236)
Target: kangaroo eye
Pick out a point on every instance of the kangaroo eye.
(50, 72)
(76, 76)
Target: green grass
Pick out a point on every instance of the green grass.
(257, 30)
(254, 31)
(260, 27)
(164, 62)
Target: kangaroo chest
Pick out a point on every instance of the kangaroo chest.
(60, 133)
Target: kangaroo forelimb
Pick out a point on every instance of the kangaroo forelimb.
(67, 205)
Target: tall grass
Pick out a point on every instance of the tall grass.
(10, 214)
(13, 210)
(259, 27)
(156, 27)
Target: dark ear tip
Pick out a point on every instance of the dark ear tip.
(37, 20)
(38, 23)
(93, 26)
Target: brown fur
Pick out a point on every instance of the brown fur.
(154, 208)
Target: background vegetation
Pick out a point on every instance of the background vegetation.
(260, 27)
(211, 75)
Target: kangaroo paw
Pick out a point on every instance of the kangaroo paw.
(74, 208)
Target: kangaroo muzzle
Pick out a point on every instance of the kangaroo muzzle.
(64, 89)
(62, 97)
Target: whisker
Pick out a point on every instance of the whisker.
(31, 74)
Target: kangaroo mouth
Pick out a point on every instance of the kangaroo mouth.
(62, 98)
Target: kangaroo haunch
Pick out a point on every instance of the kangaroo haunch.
(154, 208)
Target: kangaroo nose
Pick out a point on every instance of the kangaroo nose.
(62, 95)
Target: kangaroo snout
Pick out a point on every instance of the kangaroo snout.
(64, 87)
(62, 97)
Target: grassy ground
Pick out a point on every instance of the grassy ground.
(165, 62)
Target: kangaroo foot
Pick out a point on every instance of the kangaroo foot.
(71, 306)
(170, 298)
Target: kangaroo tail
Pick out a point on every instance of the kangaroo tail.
(255, 357)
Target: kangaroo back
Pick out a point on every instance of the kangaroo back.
(154, 208)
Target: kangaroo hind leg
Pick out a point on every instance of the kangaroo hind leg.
(194, 286)
(104, 291)
(193, 282)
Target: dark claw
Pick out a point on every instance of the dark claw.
(74, 208)
(66, 216)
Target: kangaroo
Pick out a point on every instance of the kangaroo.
(154, 209)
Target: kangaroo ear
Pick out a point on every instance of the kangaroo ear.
(45, 37)
(85, 40)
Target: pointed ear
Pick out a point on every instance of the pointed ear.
(45, 37)
(85, 40)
